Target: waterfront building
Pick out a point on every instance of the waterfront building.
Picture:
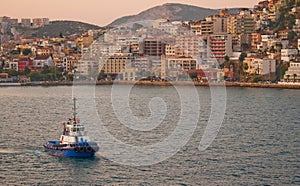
(288, 54)
(13, 65)
(129, 74)
(293, 72)
(40, 61)
(70, 63)
(142, 63)
(260, 66)
(116, 63)
(24, 62)
(173, 67)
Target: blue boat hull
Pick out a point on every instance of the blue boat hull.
(70, 153)
(80, 150)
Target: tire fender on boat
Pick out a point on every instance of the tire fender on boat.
(89, 149)
(81, 149)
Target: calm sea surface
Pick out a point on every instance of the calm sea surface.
(258, 144)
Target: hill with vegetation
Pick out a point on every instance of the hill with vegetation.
(171, 11)
(58, 28)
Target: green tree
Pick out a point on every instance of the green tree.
(12, 72)
(26, 51)
(226, 58)
(46, 69)
(27, 71)
(193, 75)
(61, 35)
(288, 77)
(292, 36)
(101, 75)
(280, 71)
(257, 78)
(35, 76)
(294, 77)
(70, 77)
(242, 57)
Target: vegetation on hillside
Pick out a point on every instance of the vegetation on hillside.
(286, 20)
(171, 11)
(58, 29)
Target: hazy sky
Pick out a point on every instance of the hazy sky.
(100, 12)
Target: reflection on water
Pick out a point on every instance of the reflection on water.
(258, 143)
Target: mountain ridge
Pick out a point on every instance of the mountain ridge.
(171, 11)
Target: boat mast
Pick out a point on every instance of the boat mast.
(74, 109)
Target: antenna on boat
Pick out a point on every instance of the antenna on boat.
(74, 109)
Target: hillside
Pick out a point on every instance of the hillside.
(171, 11)
(55, 28)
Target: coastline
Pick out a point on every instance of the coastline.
(156, 83)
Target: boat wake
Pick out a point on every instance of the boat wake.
(14, 151)
(9, 151)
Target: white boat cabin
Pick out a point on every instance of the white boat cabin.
(74, 133)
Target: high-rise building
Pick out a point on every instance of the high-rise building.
(26, 22)
(211, 25)
(116, 63)
(243, 23)
(220, 45)
(39, 22)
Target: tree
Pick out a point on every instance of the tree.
(294, 77)
(288, 77)
(26, 71)
(12, 72)
(193, 75)
(26, 51)
(61, 35)
(46, 69)
(70, 77)
(242, 57)
(292, 35)
(35, 76)
(280, 71)
(101, 75)
(226, 58)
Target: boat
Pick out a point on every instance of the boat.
(74, 140)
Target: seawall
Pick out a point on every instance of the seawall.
(156, 83)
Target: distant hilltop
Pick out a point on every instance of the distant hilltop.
(58, 28)
(42, 27)
(171, 11)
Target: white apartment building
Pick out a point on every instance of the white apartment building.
(293, 73)
(288, 54)
(260, 66)
(220, 45)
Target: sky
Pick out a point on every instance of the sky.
(99, 12)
